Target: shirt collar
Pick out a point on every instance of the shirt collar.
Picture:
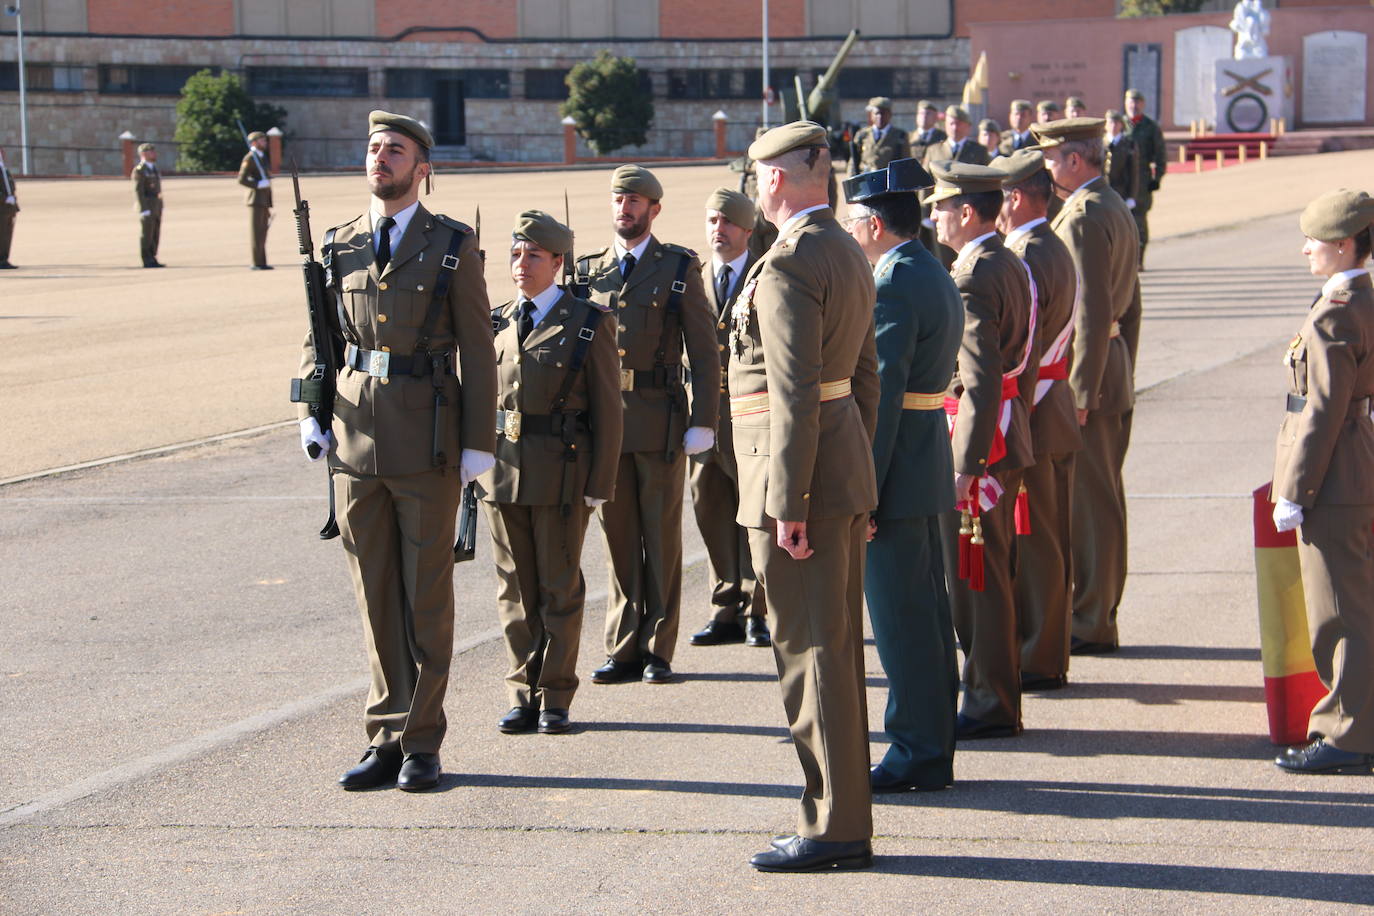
(1023, 229)
(887, 256)
(1340, 280)
(736, 266)
(543, 302)
(402, 221)
(1080, 190)
(971, 246)
(796, 217)
(637, 251)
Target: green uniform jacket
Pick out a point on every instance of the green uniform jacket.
(253, 169)
(923, 141)
(1009, 142)
(724, 449)
(530, 470)
(1150, 151)
(971, 151)
(868, 155)
(805, 316)
(147, 188)
(1122, 168)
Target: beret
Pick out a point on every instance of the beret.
(1114, 115)
(880, 101)
(1067, 129)
(736, 207)
(990, 124)
(955, 178)
(926, 103)
(1019, 166)
(1047, 105)
(636, 179)
(784, 139)
(1337, 215)
(256, 135)
(145, 147)
(543, 230)
(954, 111)
(1135, 94)
(386, 120)
(1074, 101)
(865, 185)
(1021, 105)
(907, 175)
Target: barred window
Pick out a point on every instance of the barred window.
(546, 84)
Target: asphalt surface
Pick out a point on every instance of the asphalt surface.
(184, 675)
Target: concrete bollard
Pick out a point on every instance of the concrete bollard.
(1182, 153)
(569, 140)
(126, 141)
(1197, 163)
(719, 119)
(1264, 149)
(1221, 158)
(1242, 151)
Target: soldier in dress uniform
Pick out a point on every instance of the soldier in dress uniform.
(990, 135)
(558, 425)
(9, 207)
(654, 291)
(803, 402)
(1047, 111)
(1044, 574)
(405, 439)
(1017, 135)
(1123, 174)
(990, 436)
(148, 202)
(1152, 159)
(255, 175)
(927, 136)
(1075, 107)
(1324, 482)
(919, 320)
(874, 146)
(958, 146)
(737, 598)
(1096, 226)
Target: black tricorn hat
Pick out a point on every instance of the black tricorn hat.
(907, 175)
(866, 185)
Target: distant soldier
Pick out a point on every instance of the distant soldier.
(1152, 160)
(1046, 111)
(9, 206)
(990, 135)
(255, 175)
(927, 133)
(880, 142)
(736, 596)
(1121, 169)
(958, 146)
(558, 441)
(1075, 107)
(148, 202)
(1017, 135)
(655, 293)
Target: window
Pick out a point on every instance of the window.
(144, 79)
(546, 84)
(307, 81)
(418, 82)
(715, 84)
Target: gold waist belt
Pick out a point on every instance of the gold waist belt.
(747, 404)
(919, 400)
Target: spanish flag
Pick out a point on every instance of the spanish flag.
(1291, 685)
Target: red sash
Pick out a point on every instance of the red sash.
(1055, 372)
(1010, 391)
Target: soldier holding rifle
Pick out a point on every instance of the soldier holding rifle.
(405, 439)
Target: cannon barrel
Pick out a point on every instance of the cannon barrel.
(817, 101)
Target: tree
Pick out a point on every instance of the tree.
(208, 113)
(609, 99)
(1136, 9)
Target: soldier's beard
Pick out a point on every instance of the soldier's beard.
(397, 187)
(637, 229)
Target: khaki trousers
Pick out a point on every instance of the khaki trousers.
(735, 589)
(816, 615)
(643, 529)
(150, 233)
(1099, 529)
(398, 536)
(1044, 568)
(538, 553)
(258, 222)
(1336, 554)
(985, 622)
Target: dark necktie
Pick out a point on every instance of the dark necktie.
(383, 230)
(627, 266)
(723, 285)
(525, 323)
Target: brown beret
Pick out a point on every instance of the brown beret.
(954, 111)
(145, 147)
(543, 230)
(1337, 215)
(636, 179)
(1019, 166)
(955, 178)
(736, 207)
(1021, 105)
(1135, 94)
(256, 135)
(385, 120)
(788, 137)
(1062, 131)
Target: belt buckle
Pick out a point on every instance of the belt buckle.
(627, 380)
(379, 364)
(512, 425)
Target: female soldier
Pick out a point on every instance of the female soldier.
(1324, 482)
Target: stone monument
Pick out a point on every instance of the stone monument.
(1252, 87)
(1250, 22)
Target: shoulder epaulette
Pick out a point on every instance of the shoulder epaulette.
(592, 256)
(679, 249)
(452, 223)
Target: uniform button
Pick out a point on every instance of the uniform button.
(982, 461)
(517, 359)
(1310, 492)
(806, 496)
(420, 287)
(622, 351)
(386, 381)
(722, 348)
(622, 329)
(386, 349)
(381, 319)
(382, 285)
(560, 365)
(515, 384)
(720, 325)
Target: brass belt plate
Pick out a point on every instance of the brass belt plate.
(512, 425)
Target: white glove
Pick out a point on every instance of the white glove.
(592, 501)
(10, 200)
(474, 464)
(311, 434)
(1287, 515)
(698, 439)
(263, 184)
(146, 213)
(1130, 202)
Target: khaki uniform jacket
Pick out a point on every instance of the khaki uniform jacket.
(530, 470)
(921, 144)
(147, 188)
(868, 155)
(805, 316)
(1102, 239)
(1325, 454)
(638, 308)
(972, 151)
(1054, 423)
(725, 448)
(1009, 144)
(384, 427)
(253, 169)
(996, 294)
(1121, 168)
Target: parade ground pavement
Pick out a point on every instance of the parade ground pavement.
(183, 666)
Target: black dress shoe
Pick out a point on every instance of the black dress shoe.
(1083, 647)
(657, 671)
(618, 672)
(262, 266)
(378, 767)
(6, 265)
(418, 773)
(799, 853)
(884, 782)
(1043, 681)
(1320, 757)
(718, 633)
(519, 719)
(970, 729)
(756, 632)
(554, 722)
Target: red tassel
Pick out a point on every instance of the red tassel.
(1023, 525)
(965, 535)
(975, 557)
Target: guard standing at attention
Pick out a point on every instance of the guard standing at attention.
(803, 401)
(1152, 159)
(874, 146)
(9, 207)
(256, 175)
(959, 146)
(926, 137)
(1324, 482)
(558, 429)
(1044, 574)
(1017, 135)
(919, 320)
(990, 436)
(655, 293)
(1097, 228)
(406, 437)
(1121, 168)
(148, 202)
(736, 595)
